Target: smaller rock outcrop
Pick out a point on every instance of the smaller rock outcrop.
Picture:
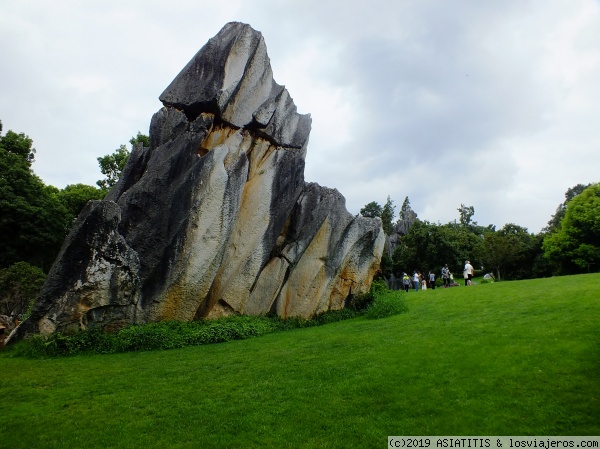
(95, 275)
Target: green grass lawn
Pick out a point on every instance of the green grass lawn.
(510, 358)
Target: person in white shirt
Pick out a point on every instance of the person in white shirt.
(416, 281)
(468, 273)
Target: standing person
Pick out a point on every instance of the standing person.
(416, 281)
(431, 280)
(468, 273)
(446, 276)
(405, 282)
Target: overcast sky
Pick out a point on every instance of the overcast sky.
(492, 104)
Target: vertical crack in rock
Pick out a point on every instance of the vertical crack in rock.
(214, 217)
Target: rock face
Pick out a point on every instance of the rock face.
(214, 217)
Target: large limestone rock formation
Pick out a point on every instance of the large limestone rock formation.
(214, 217)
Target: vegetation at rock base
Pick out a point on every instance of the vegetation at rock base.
(177, 334)
(496, 359)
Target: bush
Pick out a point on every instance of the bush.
(387, 305)
(379, 286)
(361, 301)
(20, 284)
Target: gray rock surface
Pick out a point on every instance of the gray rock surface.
(214, 217)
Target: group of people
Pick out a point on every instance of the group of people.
(418, 281)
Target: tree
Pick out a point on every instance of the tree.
(572, 192)
(140, 138)
(387, 215)
(112, 165)
(504, 248)
(575, 247)
(20, 284)
(371, 210)
(466, 214)
(33, 220)
(18, 144)
(76, 196)
(429, 246)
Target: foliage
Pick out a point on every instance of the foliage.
(33, 219)
(386, 305)
(112, 165)
(561, 210)
(18, 144)
(466, 215)
(387, 215)
(76, 196)
(575, 247)
(371, 210)
(505, 248)
(361, 302)
(20, 285)
(429, 246)
(378, 287)
(142, 139)
(386, 266)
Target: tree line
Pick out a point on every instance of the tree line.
(569, 244)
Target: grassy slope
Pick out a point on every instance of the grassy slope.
(519, 358)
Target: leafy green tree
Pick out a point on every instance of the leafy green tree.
(561, 210)
(112, 165)
(504, 248)
(371, 210)
(140, 138)
(33, 220)
(466, 215)
(76, 196)
(387, 215)
(20, 284)
(18, 144)
(575, 247)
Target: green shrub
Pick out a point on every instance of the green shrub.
(379, 286)
(387, 305)
(20, 284)
(361, 301)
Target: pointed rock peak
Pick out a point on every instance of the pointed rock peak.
(231, 77)
(214, 217)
